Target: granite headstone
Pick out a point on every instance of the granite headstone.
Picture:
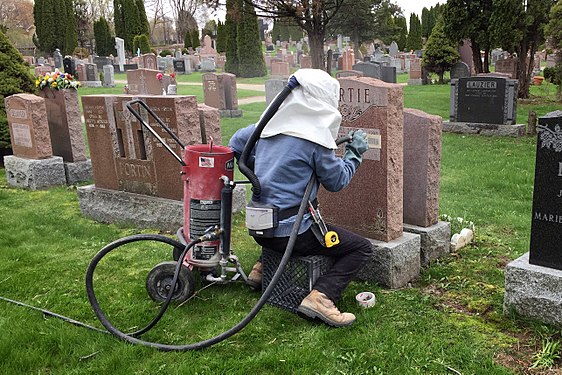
(546, 224)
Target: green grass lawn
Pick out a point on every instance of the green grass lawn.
(450, 320)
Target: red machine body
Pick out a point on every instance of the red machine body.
(206, 164)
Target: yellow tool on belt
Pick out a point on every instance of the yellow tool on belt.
(327, 237)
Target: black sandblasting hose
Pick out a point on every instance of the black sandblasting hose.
(271, 110)
(203, 344)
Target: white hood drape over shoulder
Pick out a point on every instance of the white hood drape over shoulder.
(311, 110)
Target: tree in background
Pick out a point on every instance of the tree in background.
(70, 35)
(470, 19)
(45, 25)
(187, 43)
(364, 20)
(403, 34)
(440, 52)
(130, 20)
(233, 18)
(425, 23)
(210, 28)
(14, 78)
(195, 38)
(83, 23)
(554, 32)
(220, 44)
(286, 29)
(105, 43)
(252, 63)
(311, 16)
(414, 41)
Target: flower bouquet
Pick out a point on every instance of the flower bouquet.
(56, 81)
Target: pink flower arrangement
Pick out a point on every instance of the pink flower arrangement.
(159, 76)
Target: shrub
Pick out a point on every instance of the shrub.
(165, 53)
(141, 42)
(553, 74)
(14, 79)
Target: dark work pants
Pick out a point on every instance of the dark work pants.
(350, 254)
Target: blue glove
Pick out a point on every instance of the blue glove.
(356, 148)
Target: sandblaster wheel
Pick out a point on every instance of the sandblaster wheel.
(159, 282)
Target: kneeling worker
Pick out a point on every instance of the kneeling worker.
(297, 142)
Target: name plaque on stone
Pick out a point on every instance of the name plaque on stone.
(372, 204)
(22, 135)
(546, 225)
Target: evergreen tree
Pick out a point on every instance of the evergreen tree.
(105, 43)
(144, 26)
(118, 18)
(233, 16)
(14, 78)
(221, 38)
(195, 39)
(187, 40)
(426, 22)
(440, 52)
(46, 25)
(554, 31)
(70, 34)
(252, 63)
(141, 42)
(414, 41)
(403, 34)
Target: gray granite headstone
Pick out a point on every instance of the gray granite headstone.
(272, 88)
(460, 70)
(108, 76)
(57, 57)
(393, 49)
(369, 69)
(91, 72)
(388, 74)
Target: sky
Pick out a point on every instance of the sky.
(416, 6)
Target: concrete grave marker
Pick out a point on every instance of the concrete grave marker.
(220, 92)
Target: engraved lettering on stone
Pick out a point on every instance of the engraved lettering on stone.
(550, 138)
(22, 135)
(482, 85)
(18, 113)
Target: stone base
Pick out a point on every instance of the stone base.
(78, 171)
(415, 82)
(108, 85)
(533, 292)
(140, 211)
(90, 83)
(517, 130)
(395, 263)
(435, 240)
(230, 113)
(34, 174)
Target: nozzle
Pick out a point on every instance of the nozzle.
(211, 234)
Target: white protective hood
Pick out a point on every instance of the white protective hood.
(311, 110)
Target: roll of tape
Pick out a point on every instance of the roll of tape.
(366, 299)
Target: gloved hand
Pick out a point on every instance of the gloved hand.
(357, 147)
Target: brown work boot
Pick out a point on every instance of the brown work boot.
(255, 276)
(317, 305)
